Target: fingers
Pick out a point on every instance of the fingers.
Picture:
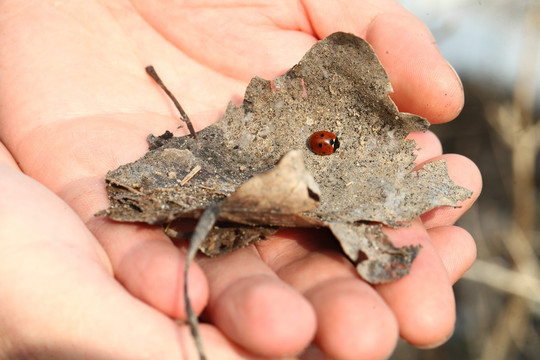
(421, 304)
(428, 145)
(423, 301)
(254, 308)
(353, 321)
(464, 173)
(150, 267)
(456, 248)
(424, 83)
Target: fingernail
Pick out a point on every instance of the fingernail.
(456, 74)
(437, 344)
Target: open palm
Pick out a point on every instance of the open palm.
(75, 102)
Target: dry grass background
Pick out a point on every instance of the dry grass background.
(498, 300)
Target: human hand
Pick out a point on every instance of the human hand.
(79, 104)
(58, 296)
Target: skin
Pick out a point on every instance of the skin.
(75, 102)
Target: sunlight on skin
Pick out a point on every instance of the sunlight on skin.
(74, 113)
(6, 158)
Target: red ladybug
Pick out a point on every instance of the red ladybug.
(323, 142)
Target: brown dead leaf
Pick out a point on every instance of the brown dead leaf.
(339, 86)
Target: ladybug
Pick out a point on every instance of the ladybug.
(323, 142)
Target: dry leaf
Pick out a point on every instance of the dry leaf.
(339, 86)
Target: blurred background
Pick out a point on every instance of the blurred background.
(494, 46)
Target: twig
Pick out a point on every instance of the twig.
(191, 174)
(127, 187)
(153, 74)
(507, 280)
(205, 224)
